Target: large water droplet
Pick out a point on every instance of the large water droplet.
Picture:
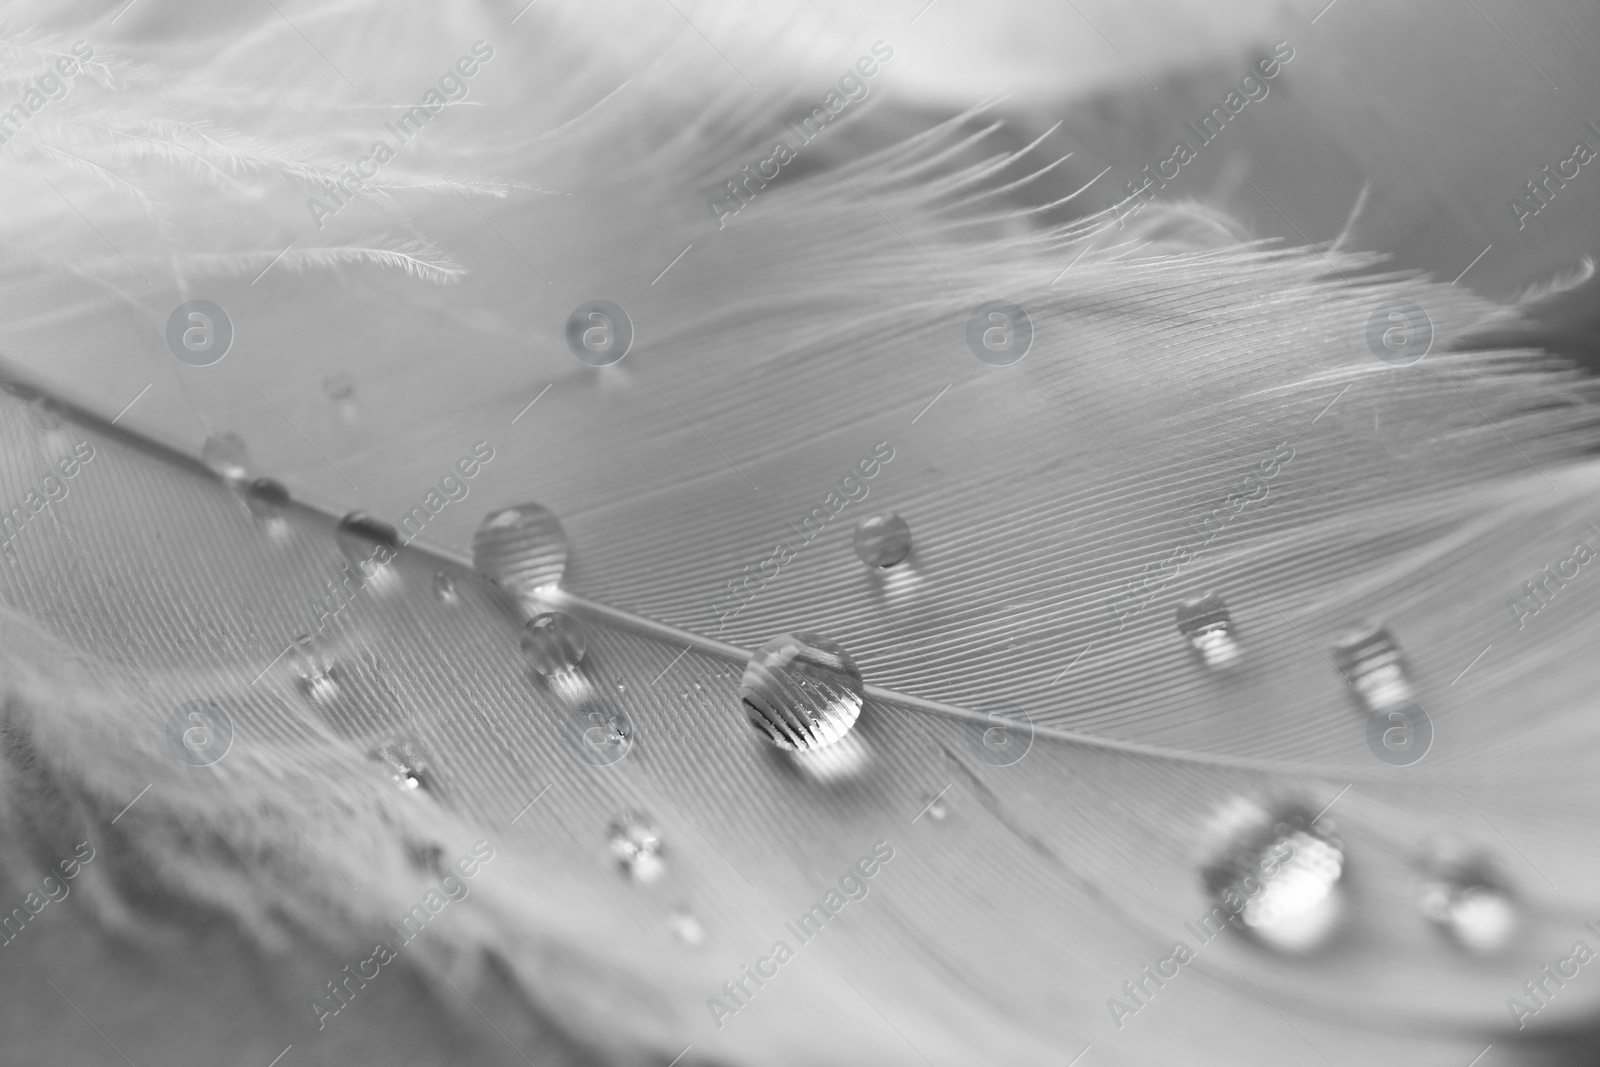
(266, 499)
(521, 549)
(1370, 661)
(1209, 630)
(366, 542)
(313, 666)
(636, 843)
(802, 691)
(1278, 876)
(227, 456)
(553, 643)
(1464, 896)
(405, 762)
(882, 540)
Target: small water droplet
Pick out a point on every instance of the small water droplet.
(366, 542)
(521, 549)
(686, 928)
(227, 456)
(553, 643)
(339, 387)
(405, 762)
(882, 540)
(1209, 629)
(313, 666)
(697, 685)
(445, 589)
(636, 843)
(1279, 876)
(266, 499)
(802, 691)
(935, 809)
(1464, 896)
(1370, 662)
(622, 687)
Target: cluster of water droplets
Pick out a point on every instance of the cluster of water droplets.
(1276, 871)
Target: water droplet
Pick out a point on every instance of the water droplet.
(366, 542)
(405, 762)
(935, 809)
(553, 643)
(882, 540)
(521, 549)
(227, 456)
(1279, 876)
(1465, 897)
(1209, 630)
(266, 498)
(802, 691)
(622, 686)
(1370, 661)
(313, 666)
(339, 387)
(636, 843)
(445, 589)
(686, 928)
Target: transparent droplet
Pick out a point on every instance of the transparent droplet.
(366, 542)
(1465, 897)
(686, 928)
(802, 691)
(636, 843)
(882, 540)
(1278, 877)
(935, 809)
(1209, 630)
(445, 589)
(266, 498)
(553, 643)
(521, 549)
(405, 763)
(1370, 661)
(339, 387)
(313, 666)
(227, 456)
